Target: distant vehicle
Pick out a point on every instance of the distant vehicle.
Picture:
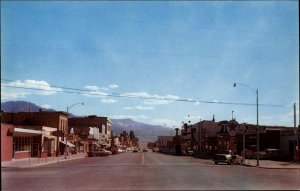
(135, 150)
(99, 153)
(172, 151)
(268, 153)
(190, 152)
(164, 150)
(155, 149)
(223, 158)
(237, 159)
(145, 150)
(121, 150)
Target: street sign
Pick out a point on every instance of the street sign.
(58, 133)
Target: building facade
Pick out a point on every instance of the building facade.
(103, 124)
(33, 133)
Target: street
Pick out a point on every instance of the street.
(146, 171)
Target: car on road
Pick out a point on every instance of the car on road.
(223, 158)
(99, 153)
(145, 150)
(135, 150)
(190, 152)
(172, 151)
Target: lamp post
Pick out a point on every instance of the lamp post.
(66, 130)
(232, 115)
(257, 136)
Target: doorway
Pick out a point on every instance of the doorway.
(35, 150)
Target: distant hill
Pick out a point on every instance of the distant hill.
(21, 106)
(145, 132)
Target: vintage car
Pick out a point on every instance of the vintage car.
(99, 153)
(223, 158)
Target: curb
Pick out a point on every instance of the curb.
(271, 167)
(41, 164)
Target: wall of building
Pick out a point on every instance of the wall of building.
(22, 154)
(6, 142)
(56, 120)
(103, 123)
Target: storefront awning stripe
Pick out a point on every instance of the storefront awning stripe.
(68, 144)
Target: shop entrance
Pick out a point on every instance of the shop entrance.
(35, 150)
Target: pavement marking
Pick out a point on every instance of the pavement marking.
(143, 158)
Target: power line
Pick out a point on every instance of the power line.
(62, 89)
(151, 22)
(133, 52)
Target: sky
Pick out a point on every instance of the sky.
(161, 62)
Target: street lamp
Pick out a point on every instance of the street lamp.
(66, 130)
(232, 115)
(257, 136)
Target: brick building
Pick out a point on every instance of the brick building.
(6, 142)
(103, 124)
(32, 132)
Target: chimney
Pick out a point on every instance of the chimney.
(176, 129)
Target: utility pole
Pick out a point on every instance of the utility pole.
(295, 115)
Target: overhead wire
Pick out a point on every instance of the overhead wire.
(150, 22)
(61, 89)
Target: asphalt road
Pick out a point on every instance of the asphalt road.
(147, 171)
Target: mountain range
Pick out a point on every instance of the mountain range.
(145, 132)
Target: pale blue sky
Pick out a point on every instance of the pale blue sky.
(180, 50)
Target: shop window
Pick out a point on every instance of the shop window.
(22, 143)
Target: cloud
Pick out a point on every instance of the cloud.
(113, 86)
(153, 99)
(135, 117)
(165, 122)
(21, 89)
(95, 91)
(138, 108)
(95, 88)
(46, 106)
(109, 101)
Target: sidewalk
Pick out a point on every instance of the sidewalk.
(273, 164)
(31, 162)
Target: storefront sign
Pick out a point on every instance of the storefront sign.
(252, 129)
(289, 132)
(58, 133)
(232, 127)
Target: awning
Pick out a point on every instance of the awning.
(68, 143)
(21, 132)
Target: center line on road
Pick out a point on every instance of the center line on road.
(143, 158)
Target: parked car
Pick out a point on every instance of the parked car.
(223, 158)
(172, 151)
(273, 153)
(135, 150)
(145, 150)
(237, 159)
(99, 153)
(190, 152)
(121, 150)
